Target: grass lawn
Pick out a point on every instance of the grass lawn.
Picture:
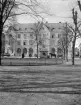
(40, 85)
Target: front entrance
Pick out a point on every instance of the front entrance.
(43, 54)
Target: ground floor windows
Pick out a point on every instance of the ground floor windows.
(59, 52)
(19, 50)
(30, 52)
(25, 51)
(43, 54)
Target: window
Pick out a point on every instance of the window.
(18, 50)
(59, 50)
(59, 28)
(44, 53)
(25, 51)
(31, 35)
(18, 42)
(31, 42)
(19, 28)
(25, 28)
(53, 50)
(25, 36)
(24, 42)
(52, 35)
(44, 35)
(30, 50)
(19, 36)
(52, 29)
(59, 35)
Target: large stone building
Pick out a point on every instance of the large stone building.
(56, 32)
(26, 37)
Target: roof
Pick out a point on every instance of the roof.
(55, 25)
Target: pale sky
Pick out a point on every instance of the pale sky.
(61, 10)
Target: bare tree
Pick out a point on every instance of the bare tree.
(75, 29)
(65, 39)
(36, 31)
(10, 8)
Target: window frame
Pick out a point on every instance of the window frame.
(18, 36)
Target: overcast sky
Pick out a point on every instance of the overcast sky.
(61, 10)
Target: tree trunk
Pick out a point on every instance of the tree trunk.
(64, 54)
(1, 31)
(0, 43)
(37, 50)
(73, 53)
(73, 46)
(67, 54)
(66, 49)
(73, 49)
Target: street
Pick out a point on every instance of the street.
(39, 85)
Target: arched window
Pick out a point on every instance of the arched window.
(59, 50)
(30, 50)
(19, 51)
(53, 50)
(25, 51)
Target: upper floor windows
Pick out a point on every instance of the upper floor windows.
(31, 42)
(19, 43)
(25, 36)
(53, 35)
(18, 36)
(31, 35)
(59, 35)
(25, 28)
(25, 42)
(52, 29)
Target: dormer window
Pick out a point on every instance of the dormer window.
(25, 28)
(52, 29)
(19, 28)
(59, 28)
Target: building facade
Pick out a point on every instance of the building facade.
(26, 37)
(25, 40)
(56, 32)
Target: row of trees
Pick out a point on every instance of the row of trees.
(75, 30)
(72, 32)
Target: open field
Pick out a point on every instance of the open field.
(40, 85)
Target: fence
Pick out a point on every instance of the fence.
(31, 61)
